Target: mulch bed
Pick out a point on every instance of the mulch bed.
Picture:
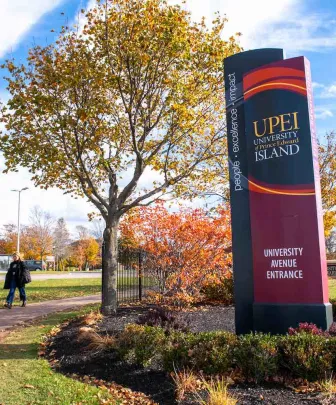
(70, 356)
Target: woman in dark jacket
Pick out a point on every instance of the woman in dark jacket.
(17, 277)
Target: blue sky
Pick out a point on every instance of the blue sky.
(301, 27)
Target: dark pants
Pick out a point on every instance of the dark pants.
(10, 296)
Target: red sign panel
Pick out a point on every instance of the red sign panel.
(289, 264)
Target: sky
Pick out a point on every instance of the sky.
(300, 27)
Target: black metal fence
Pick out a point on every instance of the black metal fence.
(133, 280)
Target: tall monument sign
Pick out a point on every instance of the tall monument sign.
(279, 256)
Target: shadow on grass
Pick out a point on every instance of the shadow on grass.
(18, 351)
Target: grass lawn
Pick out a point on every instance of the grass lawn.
(65, 272)
(332, 288)
(44, 290)
(26, 379)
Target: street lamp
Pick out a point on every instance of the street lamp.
(18, 232)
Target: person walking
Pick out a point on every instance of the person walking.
(17, 277)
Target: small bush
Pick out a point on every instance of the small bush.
(256, 356)
(163, 318)
(333, 304)
(210, 352)
(331, 348)
(220, 291)
(176, 351)
(306, 355)
(140, 344)
(306, 327)
(332, 329)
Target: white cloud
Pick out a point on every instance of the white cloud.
(323, 113)
(264, 23)
(317, 85)
(329, 91)
(325, 91)
(17, 17)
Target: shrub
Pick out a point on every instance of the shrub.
(306, 327)
(306, 355)
(256, 356)
(210, 352)
(331, 348)
(163, 318)
(176, 351)
(332, 329)
(140, 344)
(221, 291)
(333, 304)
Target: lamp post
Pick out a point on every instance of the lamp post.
(18, 232)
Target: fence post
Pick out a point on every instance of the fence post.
(140, 276)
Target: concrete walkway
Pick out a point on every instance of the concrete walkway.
(17, 315)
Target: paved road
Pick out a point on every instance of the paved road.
(17, 315)
(58, 276)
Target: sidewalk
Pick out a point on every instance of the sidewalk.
(17, 315)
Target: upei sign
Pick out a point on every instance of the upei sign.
(275, 191)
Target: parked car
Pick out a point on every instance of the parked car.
(34, 265)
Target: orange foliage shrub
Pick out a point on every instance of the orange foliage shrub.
(184, 251)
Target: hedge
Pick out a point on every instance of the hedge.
(257, 357)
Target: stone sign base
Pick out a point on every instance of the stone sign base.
(277, 318)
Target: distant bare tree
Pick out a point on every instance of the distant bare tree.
(97, 229)
(61, 241)
(82, 232)
(42, 230)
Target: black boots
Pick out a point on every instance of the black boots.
(9, 306)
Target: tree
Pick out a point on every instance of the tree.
(139, 91)
(61, 242)
(2, 246)
(83, 232)
(327, 161)
(331, 245)
(97, 229)
(9, 239)
(40, 232)
(85, 251)
(183, 250)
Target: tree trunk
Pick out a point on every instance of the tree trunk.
(109, 270)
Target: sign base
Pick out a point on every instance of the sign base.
(277, 318)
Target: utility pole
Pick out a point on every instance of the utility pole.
(18, 231)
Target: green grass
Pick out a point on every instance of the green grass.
(332, 288)
(64, 272)
(26, 379)
(44, 290)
